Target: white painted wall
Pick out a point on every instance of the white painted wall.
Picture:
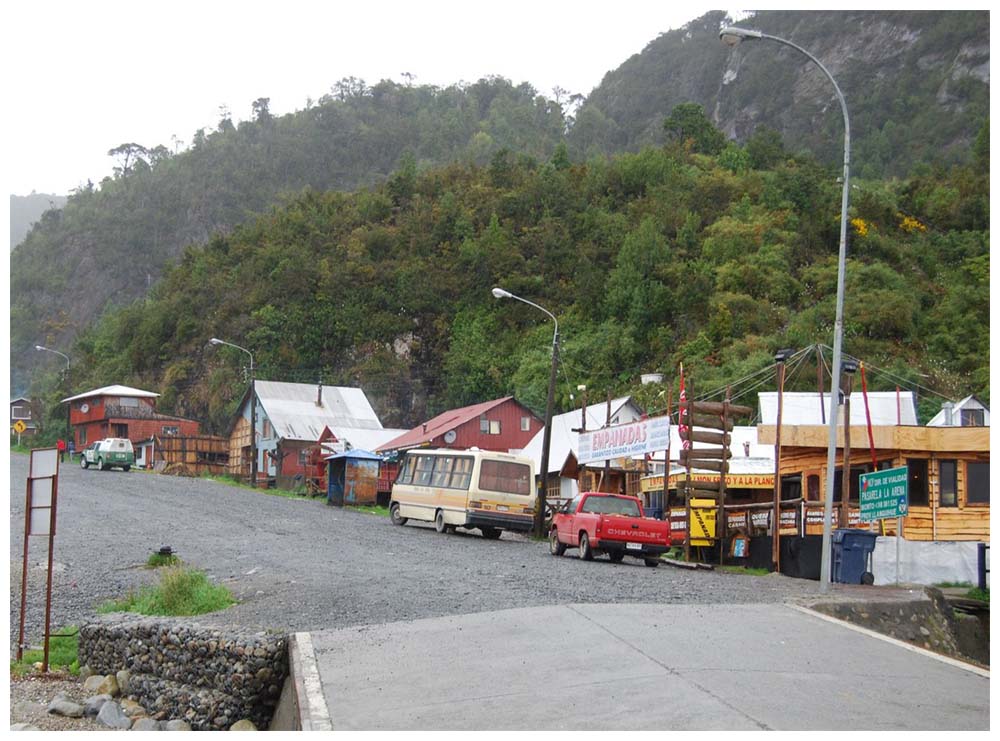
(926, 562)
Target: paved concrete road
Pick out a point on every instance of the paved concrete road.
(639, 667)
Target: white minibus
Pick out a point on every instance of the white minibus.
(465, 488)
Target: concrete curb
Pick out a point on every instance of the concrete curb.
(302, 706)
(896, 642)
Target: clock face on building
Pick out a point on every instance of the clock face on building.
(85, 407)
(449, 436)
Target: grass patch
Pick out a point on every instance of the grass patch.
(180, 592)
(980, 594)
(372, 510)
(158, 560)
(954, 585)
(63, 648)
(743, 570)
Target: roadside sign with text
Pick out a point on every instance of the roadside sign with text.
(623, 441)
(884, 494)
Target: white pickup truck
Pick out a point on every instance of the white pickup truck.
(111, 452)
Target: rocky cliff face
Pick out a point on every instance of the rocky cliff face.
(916, 84)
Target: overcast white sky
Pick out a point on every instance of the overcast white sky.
(83, 77)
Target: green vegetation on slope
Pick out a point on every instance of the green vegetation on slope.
(648, 259)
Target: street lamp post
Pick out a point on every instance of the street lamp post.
(732, 36)
(65, 375)
(253, 410)
(547, 436)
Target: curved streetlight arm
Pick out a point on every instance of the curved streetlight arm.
(501, 293)
(217, 341)
(733, 35)
(49, 349)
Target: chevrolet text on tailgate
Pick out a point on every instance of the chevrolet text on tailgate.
(596, 523)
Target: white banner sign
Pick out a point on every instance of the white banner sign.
(624, 441)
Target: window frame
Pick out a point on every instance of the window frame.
(952, 478)
(970, 478)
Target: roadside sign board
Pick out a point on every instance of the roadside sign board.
(622, 441)
(884, 494)
(20, 427)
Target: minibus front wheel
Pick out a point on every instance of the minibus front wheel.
(394, 516)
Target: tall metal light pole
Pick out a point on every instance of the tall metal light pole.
(547, 436)
(732, 36)
(65, 375)
(253, 410)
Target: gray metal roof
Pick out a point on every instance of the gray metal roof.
(295, 414)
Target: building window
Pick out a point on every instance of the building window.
(168, 431)
(119, 430)
(20, 412)
(977, 483)
(266, 429)
(973, 418)
(128, 401)
(812, 488)
(948, 476)
(525, 424)
(918, 481)
(304, 457)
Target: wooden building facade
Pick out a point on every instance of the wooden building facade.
(949, 492)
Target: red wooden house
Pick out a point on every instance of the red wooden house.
(502, 424)
(121, 411)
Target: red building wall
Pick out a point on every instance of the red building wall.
(511, 436)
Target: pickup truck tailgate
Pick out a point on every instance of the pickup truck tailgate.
(635, 530)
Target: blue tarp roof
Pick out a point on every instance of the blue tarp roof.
(359, 454)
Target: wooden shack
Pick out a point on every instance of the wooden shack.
(352, 478)
(191, 455)
(949, 492)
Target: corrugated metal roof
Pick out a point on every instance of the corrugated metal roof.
(295, 414)
(805, 408)
(442, 423)
(113, 391)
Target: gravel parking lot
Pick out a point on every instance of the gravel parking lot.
(300, 565)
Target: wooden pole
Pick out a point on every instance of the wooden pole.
(819, 382)
(776, 512)
(845, 484)
(721, 526)
(666, 460)
(607, 461)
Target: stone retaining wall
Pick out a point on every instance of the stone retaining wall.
(209, 676)
(928, 623)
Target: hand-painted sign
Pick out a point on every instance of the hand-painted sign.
(622, 441)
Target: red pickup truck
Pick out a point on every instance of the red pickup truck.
(596, 522)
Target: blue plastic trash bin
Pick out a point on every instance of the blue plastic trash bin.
(852, 550)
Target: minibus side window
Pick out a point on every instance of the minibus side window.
(422, 471)
(442, 471)
(461, 474)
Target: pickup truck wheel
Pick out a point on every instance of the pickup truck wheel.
(652, 562)
(100, 464)
(439, 522)
(83, 462)
(586, 554)
(126, 468)
(616, 556)
(394, 515)
(555, 547)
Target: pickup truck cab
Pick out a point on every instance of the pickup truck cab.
(597, 522)
(111, 452)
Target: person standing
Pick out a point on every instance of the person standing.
(61, 447)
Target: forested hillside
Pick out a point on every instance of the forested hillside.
(26, 210)
(111, 243)
(916, 84)
(647, 259)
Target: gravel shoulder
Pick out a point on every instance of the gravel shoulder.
(300, 565)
